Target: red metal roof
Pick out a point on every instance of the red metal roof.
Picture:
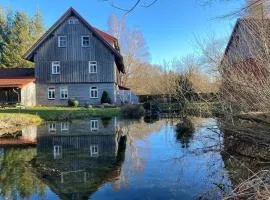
(16, 81)
(106, 36)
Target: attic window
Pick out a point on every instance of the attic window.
(73, 21)
(85, 41)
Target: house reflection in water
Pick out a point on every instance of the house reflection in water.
(74, 159)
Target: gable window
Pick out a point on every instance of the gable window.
(94, 150)
(52, 127)
(93, 92)
(92, 67)
(85, 41)
(51, 93)
(73, 20)
(94, 125)
(55, 67)
(62, 41)
(63, 93)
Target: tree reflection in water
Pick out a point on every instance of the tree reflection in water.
(75, 159)
(18, 181)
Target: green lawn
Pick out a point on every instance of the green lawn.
(62, 113)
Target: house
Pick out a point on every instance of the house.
(73, 59)
(246, 50)
(245, 66)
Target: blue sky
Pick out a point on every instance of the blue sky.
(169, 26)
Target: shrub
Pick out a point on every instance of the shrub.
(153, 105)
(132, 111)
(73, 103)
(185, 127)
(105, 98)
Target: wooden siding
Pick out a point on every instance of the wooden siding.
(80, 92)
(74, 58)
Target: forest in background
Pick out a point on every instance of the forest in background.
(19, 31)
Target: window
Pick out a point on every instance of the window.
(93, 92)
(62, 41)
(51, 93)
(94, 150)
(73, 20)
(55, 67)
(63, 93)
(52, 127)
(94, 125)
(92, 66)
(85, 41)
(57, 151)
(64, 126)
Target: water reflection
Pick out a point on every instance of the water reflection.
(246, 149)
(103, 158)
(75, 159)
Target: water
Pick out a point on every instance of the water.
(115, 159)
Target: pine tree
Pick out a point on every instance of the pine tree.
(38, 28)
(19, 33)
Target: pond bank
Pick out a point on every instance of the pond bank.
(64, 113)
(15, 120)
(14, 117)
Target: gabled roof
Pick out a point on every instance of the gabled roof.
(105, 38)
(109, 38)
(253, 25)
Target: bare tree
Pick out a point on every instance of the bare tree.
(142, 3)
(132, 44)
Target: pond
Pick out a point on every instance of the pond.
(111, 158)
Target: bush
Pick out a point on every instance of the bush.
(73, 103)
(132, 111)
(153, 105)
(105, 98)
(185, 127)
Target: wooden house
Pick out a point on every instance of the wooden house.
(73, 59)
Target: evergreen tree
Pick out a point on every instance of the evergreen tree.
(38, 28)
(18, 33)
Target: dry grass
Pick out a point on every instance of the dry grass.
(256, 187)
(8, 121)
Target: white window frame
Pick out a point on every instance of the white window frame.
(82, 40)
(64, 126)
(62, 38)
(64, 91)
(95, 89)
(56, 67)
(94, 150)
(57, 151)
(51, 90)
(92, 65)
(94, 125)
(52, 127)
(73, 21)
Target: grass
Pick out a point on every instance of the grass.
(62, 113)
(10, 120)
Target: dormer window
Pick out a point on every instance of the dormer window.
(85, 41)
(62, 41)
(92, 67)
(55, 67)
